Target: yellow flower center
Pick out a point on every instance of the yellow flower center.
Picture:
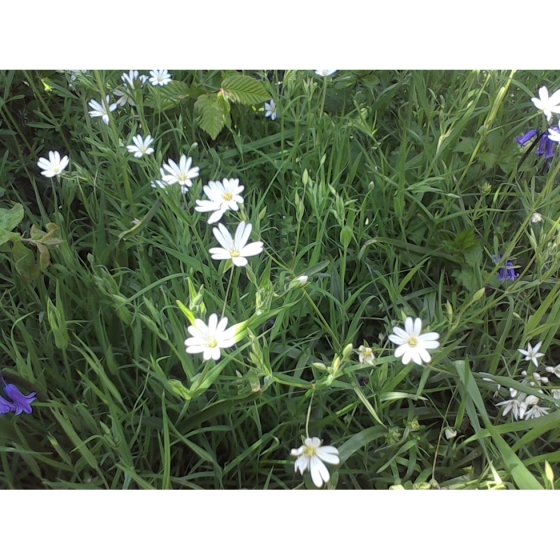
(228, 196)
(234, 254)
(211, 342)
(310, 451)
(413, 342)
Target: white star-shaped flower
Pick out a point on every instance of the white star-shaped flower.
(270, 110)
(209, 339)
(222, 196)
(102, 109)
(515, 404)
(172, 173)
(324, 73)
(159, 77)
(535, 411)
(546, 104)
(54, 165)
(411, 344)
(235, 249)
(124, 97)
(532, 354)
(129, 79)
(312, 456)
(141, 146)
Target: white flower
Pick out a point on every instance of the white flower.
(210, 338)
(532, 353)
(235, 249)
(181, 173)
(311, 455)
(450, 433)
(163, 185)
(554, 134)
(159, 77)
(124, 98)
(555, 370)
(535, 411)
(547, 105)
(514, 404)
(222, 196)
(324, 73)
(555, 393)
(141, 146)
(54, 165)
(128, 79)
(536, 218)
(270, 110)
(365, 355)
(102, 109)
(412, 344)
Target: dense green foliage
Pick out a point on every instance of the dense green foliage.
(390, 190)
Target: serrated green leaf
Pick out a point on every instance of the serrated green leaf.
(246, 90)
(9, 219)
(226, 108)
(168, 97)
(467, 278)
(212, 117)
(474, 256)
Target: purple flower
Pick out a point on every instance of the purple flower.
(546, 146)
(526, 138)
(22, 403)
(507, 272)
(5, 406)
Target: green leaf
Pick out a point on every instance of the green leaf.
(168, 97)
(6, 236)
(473, 256)
(357, 441)
(9, 219)
(467, 277)
(246, 90)
(212, 118)
(25, 262)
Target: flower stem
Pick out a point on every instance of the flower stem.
(308, 415)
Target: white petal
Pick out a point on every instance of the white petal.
(239, 261)
(252, 249)
(409, 326)
(423, 354)
(220, 254)
(399, 339)
(319, 472)
(407, 356)
(416, 355)
(430, 344)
